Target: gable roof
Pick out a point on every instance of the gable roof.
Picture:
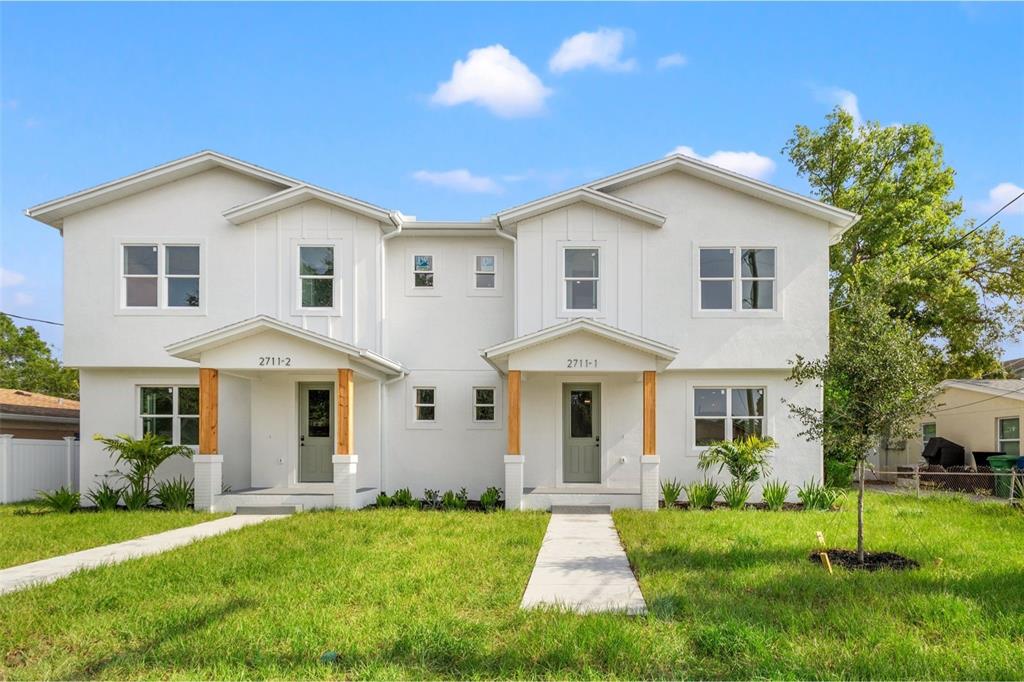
(14, 401)
(586, 195)
(293, 196)
(193, 347)
(1015, 368)
(53, 212)
(1000, 388)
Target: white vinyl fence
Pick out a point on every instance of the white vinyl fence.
(28, 466)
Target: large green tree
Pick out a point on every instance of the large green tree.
(961, 291)
(27, 363)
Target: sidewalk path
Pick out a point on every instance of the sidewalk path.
(582, 566)
(48, 570)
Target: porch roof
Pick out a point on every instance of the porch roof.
(193, 348)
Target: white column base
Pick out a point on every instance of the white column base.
(345, 480)
(650, 482)
(514, 482)
(207, 480)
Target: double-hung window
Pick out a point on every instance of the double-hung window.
(316, 276)
(171, 412)
(425, 403)
(582, 277)
(160, 275)
(483, 404)
(737, 278)
(1008, 435)
(484, 272)
(423, 271)
(928, 431)
(731, 413)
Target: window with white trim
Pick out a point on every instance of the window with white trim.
(582, 276)
(727, 413)
(160, 275)
(484, 272)
(423, 271)
(425, 404)
(1008, 435)
(928, 431)
(316, 276)
(737, 278)
(483, 403)
(171, 412)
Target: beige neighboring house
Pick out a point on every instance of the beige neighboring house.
(37, 416)
(1014, 368)
(982, 415)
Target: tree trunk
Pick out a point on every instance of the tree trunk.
(860, 516)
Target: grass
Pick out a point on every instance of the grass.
(407, 594)
(36, 533)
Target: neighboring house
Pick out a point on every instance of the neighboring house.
(982, 415)
(1015, 368)
(37, 416)
(574, 349)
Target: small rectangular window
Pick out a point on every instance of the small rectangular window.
(727, 414)
(161, 275)
(725, 271)
(423, 272)
(757, 277)
(171, 412)
(928, 431)
(316, 276)
(182, 268)
(425, 405)
(484, 272)
(1008, 429)
(716, 279)
(483, 404)
(581, 277)
(141, 275)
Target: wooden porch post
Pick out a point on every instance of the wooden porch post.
(208, 411)
(650, 430)
(514, 378)
(346, 412)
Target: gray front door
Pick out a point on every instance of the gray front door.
(316, 432)
(581, 433)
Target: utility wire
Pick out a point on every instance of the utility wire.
(983, 400)
(32, 319)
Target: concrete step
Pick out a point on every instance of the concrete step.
(581, 509)
(276, 509)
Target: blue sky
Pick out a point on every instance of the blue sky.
(456, 110)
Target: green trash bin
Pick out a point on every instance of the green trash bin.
(1002, 465)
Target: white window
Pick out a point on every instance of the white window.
(171, 412)
(928, 431)
(484, 272)
(581, 275)
(160, 275)
(727, 413)
(426, 403)
(483, 403)
(1008, 435)
(423, 271)
(737, 278)
(316, 276)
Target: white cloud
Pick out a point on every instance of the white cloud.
(460, 180)
(750, 164)
(10, 278)
(999, 195)
(492, 77)
(671, 60)
(601, 48)
(843, 98)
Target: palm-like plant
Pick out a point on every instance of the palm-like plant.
(746, 459)
(141, 455)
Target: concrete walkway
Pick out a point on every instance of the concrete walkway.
(49, 570)
(582, 566)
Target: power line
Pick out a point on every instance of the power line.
(991, 397)
(32, 319)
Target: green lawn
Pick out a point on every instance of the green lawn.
(40, 534)
(404, 594)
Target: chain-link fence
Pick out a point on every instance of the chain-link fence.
(1005, 485)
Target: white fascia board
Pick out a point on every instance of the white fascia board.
(613, 334)
(53, 212)
(584, 194)
(1003, 392)
(300, 194)
(439, 228)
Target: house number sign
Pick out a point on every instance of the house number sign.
(274, 361)
(581, 363)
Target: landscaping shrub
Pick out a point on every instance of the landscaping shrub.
(142, 456)
(775, 494)
(820, 497)
(176, 494)
(60, 500)
(670, 490)
(105, 496)
(702, 494)
(746, 459)
(838, 473)
(431, 499)
(136, 497)
(383, 501)
(736, 494)
(490, 498)
(403, 498)
(452, 501)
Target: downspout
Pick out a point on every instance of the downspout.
(501, 232)
(396, 220)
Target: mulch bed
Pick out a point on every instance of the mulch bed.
(873, 561)
(788, 506)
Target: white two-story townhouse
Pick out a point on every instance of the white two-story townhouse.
(317, 349)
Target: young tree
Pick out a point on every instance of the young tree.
(877, 381)
(26, 363)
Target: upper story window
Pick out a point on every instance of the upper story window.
(160, 276)
(737, 278)
(316, 276)
(423, 271)
(171, 412)
(425, 405)
(727, 414)
(581, 276)
(484, 272)
(1008, 435)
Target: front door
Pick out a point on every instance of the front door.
(316, 432)
(581, 433)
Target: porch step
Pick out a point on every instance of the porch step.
(581, 509)
(275, 509)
